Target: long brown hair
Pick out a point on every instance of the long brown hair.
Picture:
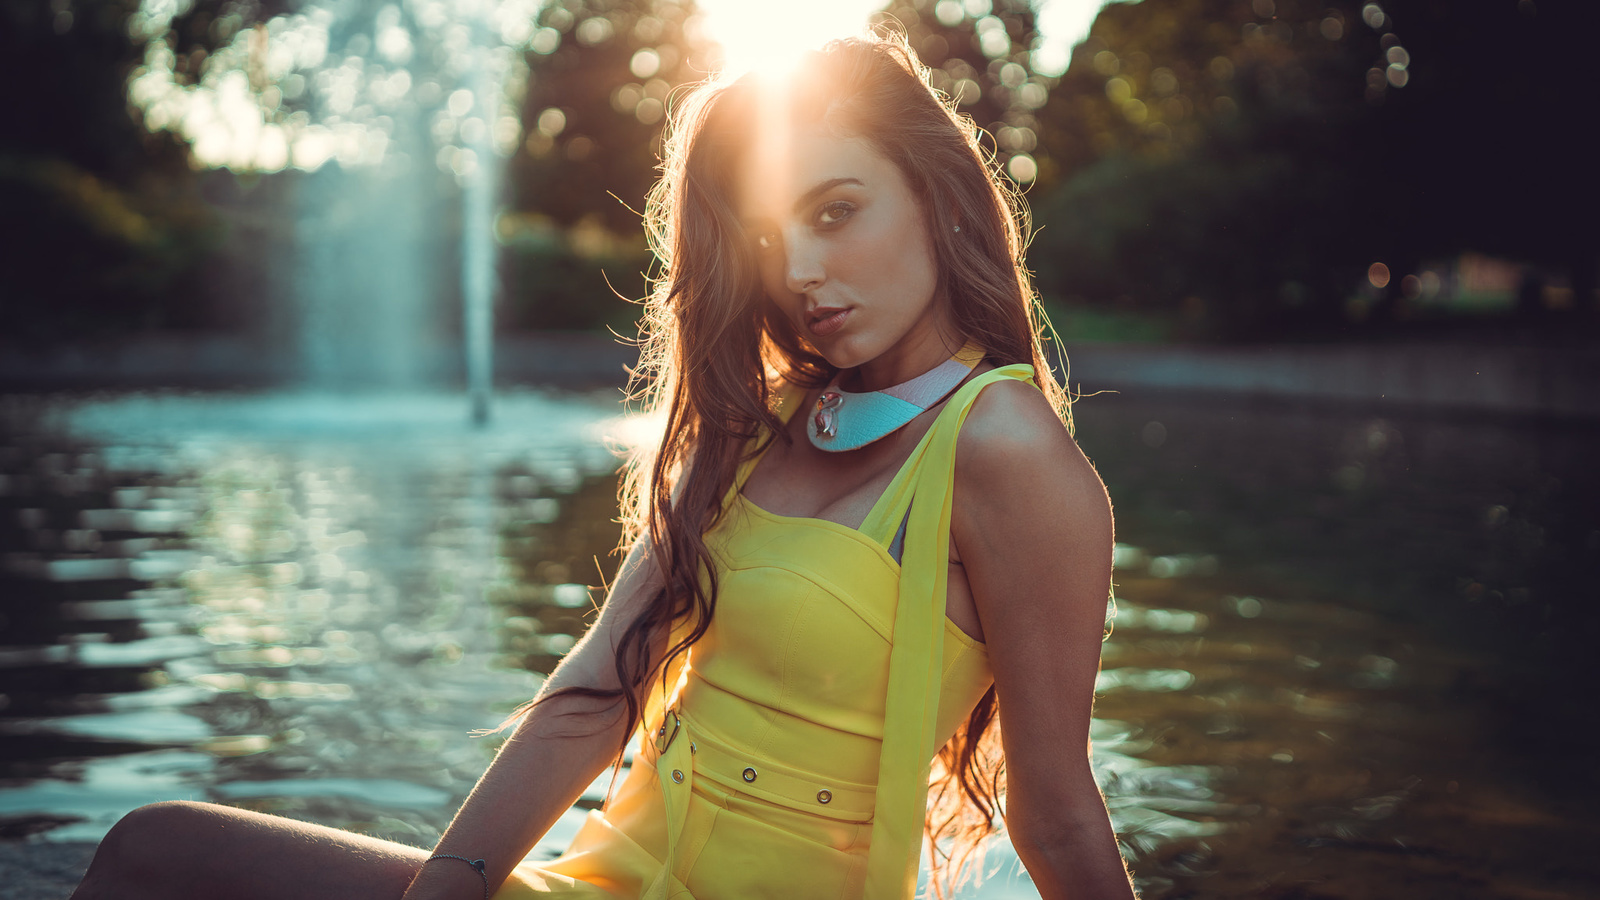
(715, 350)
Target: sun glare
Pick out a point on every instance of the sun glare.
(770, 36)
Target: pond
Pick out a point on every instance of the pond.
(1348, 655)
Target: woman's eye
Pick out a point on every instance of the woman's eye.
(766, 240)
(834, 213)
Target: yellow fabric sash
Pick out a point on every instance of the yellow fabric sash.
(675, 769)
(915, 681)
(665, 736)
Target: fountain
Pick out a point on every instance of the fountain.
(373, 101)
(477, 247)
(363, 278)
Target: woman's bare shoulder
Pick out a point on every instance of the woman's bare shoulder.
(1015, 460)
(1012, 423)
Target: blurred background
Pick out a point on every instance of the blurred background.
(314, 323)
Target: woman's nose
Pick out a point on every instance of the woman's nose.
(803, 269)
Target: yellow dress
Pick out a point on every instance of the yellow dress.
(792, 760)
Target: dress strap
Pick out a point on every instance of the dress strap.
(917, 654)
(887, 519)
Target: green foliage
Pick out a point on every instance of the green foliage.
(1217, 164)
(64, 68)
(601, 74)
(1244, 236)
(92, 257)
(596, 103)
(978, 54)
(1244, 161)
(1161, 77)
(553, 288)
(105, 226)
(1077, 323)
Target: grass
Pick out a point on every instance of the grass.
(1077, 324)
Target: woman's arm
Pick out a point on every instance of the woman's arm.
(552, 756)
(1032, 523)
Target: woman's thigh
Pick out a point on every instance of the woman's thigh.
(183, 849)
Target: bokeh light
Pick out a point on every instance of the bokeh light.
(305, 88)
(1063, 24)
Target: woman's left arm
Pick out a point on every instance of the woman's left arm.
(1032, 526)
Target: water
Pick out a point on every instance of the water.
(1347, 657)
(301, 604)
(1359, 642)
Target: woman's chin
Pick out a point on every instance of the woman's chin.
(841, 354)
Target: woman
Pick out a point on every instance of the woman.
(865, 535)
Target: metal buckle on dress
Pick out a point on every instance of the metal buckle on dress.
(667, 731)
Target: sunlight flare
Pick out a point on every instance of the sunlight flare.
(771, 37)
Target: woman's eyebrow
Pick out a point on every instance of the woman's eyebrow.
(822, 188)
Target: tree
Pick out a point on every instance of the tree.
(601, 73)
(1210, 147)
(105, 225)
(978, 53)
(1486, 147)
(1251, 159)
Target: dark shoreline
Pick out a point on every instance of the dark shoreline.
(1443, 375)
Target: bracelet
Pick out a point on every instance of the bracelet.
(476, 864)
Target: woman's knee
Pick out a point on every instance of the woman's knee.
(159, 824)
(154, 840)
(187, 849)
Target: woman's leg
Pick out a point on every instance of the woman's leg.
(201, 850)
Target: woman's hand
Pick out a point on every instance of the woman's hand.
(557, 750)
(1032, 524)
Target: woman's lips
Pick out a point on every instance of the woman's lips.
(827, 320)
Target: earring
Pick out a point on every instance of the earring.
(958, 229)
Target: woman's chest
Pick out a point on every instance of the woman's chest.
(805, 613)
(794, 478)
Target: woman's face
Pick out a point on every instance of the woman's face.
(845, 254)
